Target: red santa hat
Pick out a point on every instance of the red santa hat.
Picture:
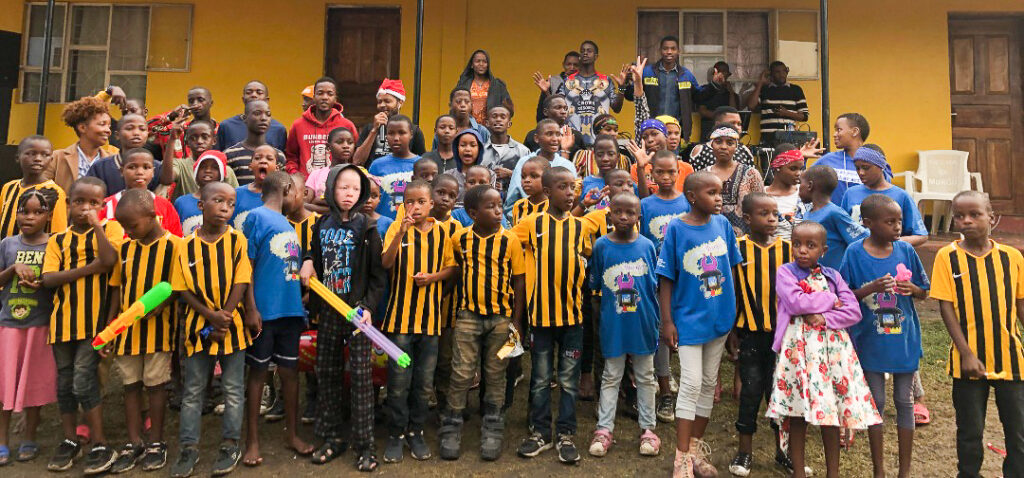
(392, 87)
(216, 156)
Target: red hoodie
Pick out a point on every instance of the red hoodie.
(306, 149)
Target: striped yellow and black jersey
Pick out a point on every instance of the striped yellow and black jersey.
(413, 309)
(304, 229)
(984, 292)
(78, 305)
(755, 282)
(556, 251)
(140, 268)
(488, 265)
(524, 207)
(209, 270)
(9, 196)
(450, 305)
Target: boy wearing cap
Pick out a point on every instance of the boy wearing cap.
(233, 129)
(210, 167)
(373, 143)
(306, 149)
(307, 97)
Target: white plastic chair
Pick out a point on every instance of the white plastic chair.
(941, 174)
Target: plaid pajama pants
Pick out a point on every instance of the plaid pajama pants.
(333, 334)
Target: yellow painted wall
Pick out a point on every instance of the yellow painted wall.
(889, 60)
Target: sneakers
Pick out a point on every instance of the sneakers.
(394, 451)
(533, 445)
(64, 457)
(155, 457)
(99, 459)
(783, 460)
(417, 445)
(601, 442)
(701, 451)
(309, 415)
(666, 409)
(741, 464)
(450, 435)
(276, 412)
(227, 459)
(567, 452)
(186, 462)
(492, 435)
(682, 466)
(650, 444)
(127, 458)
(268, 399)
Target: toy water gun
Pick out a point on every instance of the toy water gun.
(352, 315)
(149, 301)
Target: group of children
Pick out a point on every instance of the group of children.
(463, 255)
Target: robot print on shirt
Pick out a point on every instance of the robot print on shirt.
(888, 316)
(394, 185)
(285, 245)
(620, 279)
(702, 262)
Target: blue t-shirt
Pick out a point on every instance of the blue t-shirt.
(276, 258)
(108, 170)
(462, 216)
(846, 171)
(841, 230)
(245, 201)
(191, 217)
(699, 261)
(656, 213)
(624, 273)
(233, 130)
(394, 174)
(888, 338)
(592, 185)
(913, 224)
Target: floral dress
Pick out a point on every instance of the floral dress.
(744, 180)
(818, 375)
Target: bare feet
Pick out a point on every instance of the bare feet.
(586, 387)
(252, 454)
(300, 447)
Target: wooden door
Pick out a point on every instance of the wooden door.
(362, 48)
(985, 92)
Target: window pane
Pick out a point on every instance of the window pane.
(89, 25)
(171, 37)
(701, 66)
(134, 86)
(702, 33)
(651, 27)
(129, 29)
(87, 73)
(747, 44)
(36, 40)
(30, 87)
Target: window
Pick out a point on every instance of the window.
(740, 38)
(98, 45)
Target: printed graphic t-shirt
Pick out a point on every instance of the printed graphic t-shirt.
(629, 309)
(23, 306)
(276, 258)
(395, 174)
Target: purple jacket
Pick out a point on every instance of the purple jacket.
(793, 301)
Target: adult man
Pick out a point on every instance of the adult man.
(549, 85)
(718, 92)
(589, 93)
(670, 87)
(781, 104)
(197, 106)
(373, 144)
(233, 130)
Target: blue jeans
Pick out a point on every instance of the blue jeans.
(77, 378)
(196, 371)
(570, 342)
(409, 388)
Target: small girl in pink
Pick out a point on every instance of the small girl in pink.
(818, 376)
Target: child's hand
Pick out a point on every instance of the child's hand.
(306, 272)
(669, 334)
(905, 287)
(364, 317)
(217, 335)
(27, 276)
(254, 322)
(640, 153)
(637, 69)
(94, 218)
(503, 173)
(815, 320)
(107, 350)
(971, 366)
(732, 346)
(423, 279)
(885, 283)
(568, 140)
(406, 224)
(593, 197)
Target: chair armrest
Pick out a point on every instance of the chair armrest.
(977, 182)
(909, 180)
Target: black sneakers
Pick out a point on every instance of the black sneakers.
(533, 445)
(127, 458)
(64, 457)
(99, 459)
(567, 452)
(741, 464)
(186, 463)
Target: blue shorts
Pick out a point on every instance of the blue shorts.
(278, 341)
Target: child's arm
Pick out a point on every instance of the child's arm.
(885, 283)
(114, 309)
(253, 319)
(107, 255)
(668, 327)
(518, 301)
(796, 301)
(391, 253)
(378, 277)
(424, 278)
(848, 313)
(970, 365)
(914, 240)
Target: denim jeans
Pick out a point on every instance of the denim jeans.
(646, 389)
(476, 341)
(569, 340)
(970, 400)
(756, 367)
(196, 371)
(409, 388)
(77, 378)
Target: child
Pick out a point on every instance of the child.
(762, 253)
(469, 150)
(200, 138)
(306, 148)
(345, 254)
(28, 377)
(132, 133)
(983, 319)
(815, 306)
(250, 196)
(493, 299)
(342, 143)
(444, 191)
(79, 299)
(143, 352)
(501, 153)
(553, 144)
(476, 175)
(460, 106)
(622, 269)
(213, 329)
(698, 309)
(395, 170)
(646, 183)
(298, 216)
(444, 135)
(556, 243)
(276, 299)
(871, 167)
(418, 253)
(816, 186)
(606, 156)
(210, 167)
(888, 338)
(137, 170)
(34, 154)
(785, 187)
(536, 199)
(240, 155)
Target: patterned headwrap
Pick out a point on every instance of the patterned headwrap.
(787, 157)
(668, 119)
(726, 132)
(653, 124)
(874, 158)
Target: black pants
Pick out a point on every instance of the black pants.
(970, 400)
(756, 366)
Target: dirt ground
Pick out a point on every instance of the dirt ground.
(934, 453)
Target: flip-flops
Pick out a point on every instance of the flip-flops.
(921, 414)
(27, 451)
(5, 455)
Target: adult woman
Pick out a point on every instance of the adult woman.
(486, 90)
(738, 179)
(90, 118)
(851, 132)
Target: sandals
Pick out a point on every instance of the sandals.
(366, 461)
(330, 450)
(921, 414)
(846, 436)
(28, 450)
(5, 455)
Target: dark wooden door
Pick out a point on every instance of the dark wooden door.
(985, 92)
(362, 49)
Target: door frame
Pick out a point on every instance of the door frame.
(341, 6)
